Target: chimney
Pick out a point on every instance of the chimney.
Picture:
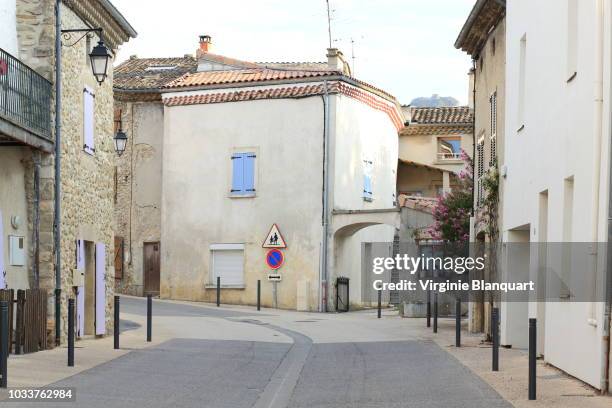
(205, 45)
(336, 62)
(471, 79)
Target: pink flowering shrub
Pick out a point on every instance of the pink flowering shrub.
(452, 211)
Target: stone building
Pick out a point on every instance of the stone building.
(430, 148)
(240, 146)
(27, 158)
(483, 37)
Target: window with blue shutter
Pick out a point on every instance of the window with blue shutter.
(243, 174)
(367, 180)
(88, 121)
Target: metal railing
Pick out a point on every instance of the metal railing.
(449, 156)
(25, 96)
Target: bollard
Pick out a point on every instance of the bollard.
(116, 324)
(218, 291)
(458, 323)
(435, 328)
(379, 303)
(149, 316)
(532, 359)
(258, 294)
(58, 316)
(495, 338)
(428, 308)
(4, 343)
(70, 332)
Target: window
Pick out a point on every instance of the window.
(493, 46)
(88, 121)
(243, 174)
(493, 111)
(572, 39)
(367, 180)
(479, 171)
(522, 81)
(449, 148)
(227, 263)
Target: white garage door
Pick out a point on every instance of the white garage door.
(228, 263)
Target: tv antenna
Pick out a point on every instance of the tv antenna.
(329, 24)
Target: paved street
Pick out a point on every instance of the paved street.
(298, 370)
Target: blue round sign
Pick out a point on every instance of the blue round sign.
(275, 258)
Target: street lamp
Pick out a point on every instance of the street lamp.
(99, 61)
(99, 56)
(120, 142)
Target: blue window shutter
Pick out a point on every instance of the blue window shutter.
(249, 173)
(238, 173)
(367, 180)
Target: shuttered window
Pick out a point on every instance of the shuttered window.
(227, 262)
(493, 138)
(243, 174)
(88, 121)
(367, 180)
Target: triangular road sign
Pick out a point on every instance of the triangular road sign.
(274, 239)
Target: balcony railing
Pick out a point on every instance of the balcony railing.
(449, 156)
(25, 96)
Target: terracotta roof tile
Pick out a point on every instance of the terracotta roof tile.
(246, 75)
(448, 115)
(433, 130)
(249, 95)
(151, 73)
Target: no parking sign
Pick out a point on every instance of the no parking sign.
(275, 258)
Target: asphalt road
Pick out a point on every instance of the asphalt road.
(245, 374)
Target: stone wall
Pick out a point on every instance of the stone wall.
(138, 187)
(87, 181)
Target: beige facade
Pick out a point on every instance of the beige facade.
(87, 179)
(430, 149)
(284, 131)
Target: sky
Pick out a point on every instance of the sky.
(405, 47)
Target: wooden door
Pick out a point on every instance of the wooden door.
(151, 268)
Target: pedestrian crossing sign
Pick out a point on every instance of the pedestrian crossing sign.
(274, 239)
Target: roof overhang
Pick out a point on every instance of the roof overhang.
(485, 15)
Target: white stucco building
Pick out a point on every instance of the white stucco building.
(557, 167)
(245, 146)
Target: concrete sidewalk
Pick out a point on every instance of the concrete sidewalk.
(554, 387)
(206, 322)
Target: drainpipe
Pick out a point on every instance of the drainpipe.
(598, 96)
(58, 153)
(323, 274)
(36, 222)
(473, 137)
(607, 279)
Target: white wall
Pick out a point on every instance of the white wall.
(559, 140)
(8, 27)
(13, 203)
(197, 211)
(361, 132)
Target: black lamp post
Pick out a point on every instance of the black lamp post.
(99, 61)
(120, 142)
(99, 56)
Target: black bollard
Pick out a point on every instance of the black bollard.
(495, 338)
(428, 308)
(458, 323)
(218, 291)
(70, 332)
(379, 303)
(258, 294)
(435, 328)
(532, 359)
(149, 317)
(4, 343)
(58, 316)
(116, 323)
